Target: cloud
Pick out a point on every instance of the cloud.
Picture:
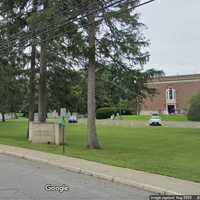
(174, 32)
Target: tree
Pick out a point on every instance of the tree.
(114, 38)
(11, 89)
(55, 52)
(105, 36)
(117, 87)
(67, 89)
(92, 135)
(194, 109)
(32, 72)
(15, 27)
(42, 105)
(12, 60)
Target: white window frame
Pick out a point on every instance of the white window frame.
(173, 94)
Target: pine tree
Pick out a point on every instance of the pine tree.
(114, 38)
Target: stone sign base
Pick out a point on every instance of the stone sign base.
(46, 133)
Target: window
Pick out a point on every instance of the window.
(171, 94)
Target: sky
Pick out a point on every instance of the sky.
(174, 34)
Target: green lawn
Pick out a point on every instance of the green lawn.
(168, 151)
(163, 117)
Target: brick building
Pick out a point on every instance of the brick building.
(173, 94)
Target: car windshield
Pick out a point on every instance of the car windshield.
(155, 117)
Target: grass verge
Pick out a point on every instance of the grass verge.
(167, 151)
(163, 117)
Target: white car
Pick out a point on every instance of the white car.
(155, 120)
(73, 119)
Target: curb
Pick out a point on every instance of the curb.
(132, 183)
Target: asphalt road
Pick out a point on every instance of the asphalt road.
(26, 180)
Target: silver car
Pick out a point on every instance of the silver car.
(155, 120)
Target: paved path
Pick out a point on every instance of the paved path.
(25, 180)
(142, 180)
(125, 123)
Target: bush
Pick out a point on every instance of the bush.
(105, 113)
(194, 110)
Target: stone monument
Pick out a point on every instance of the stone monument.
(46, 133)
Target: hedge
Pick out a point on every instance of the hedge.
(105, 113)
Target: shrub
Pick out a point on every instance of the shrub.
(194, 110)
(105, 113)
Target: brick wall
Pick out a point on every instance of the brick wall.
(185, 86)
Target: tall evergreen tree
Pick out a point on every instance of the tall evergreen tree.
(92, 135)
(114, 38)
(105, 36)
(32, 73)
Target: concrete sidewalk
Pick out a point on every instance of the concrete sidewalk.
(142, 180)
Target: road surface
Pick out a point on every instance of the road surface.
(28, 180)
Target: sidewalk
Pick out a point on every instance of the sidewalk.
(142, 180)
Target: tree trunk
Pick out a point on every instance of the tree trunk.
(137, 106)
(43, 84)
(92, 135)
(32, 73)
(32, 76)
(42, 107)
(3, 117)
(32, 85)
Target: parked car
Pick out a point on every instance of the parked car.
(72, 119)
(155, 120)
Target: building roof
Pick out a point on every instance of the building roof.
(177, 78)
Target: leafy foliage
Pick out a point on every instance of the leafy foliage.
(194, 110)
(119, 51)
(67, 90)
(11, 88)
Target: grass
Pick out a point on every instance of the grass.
(163, 117)
(167, 151)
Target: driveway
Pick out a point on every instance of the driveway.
(26, 180)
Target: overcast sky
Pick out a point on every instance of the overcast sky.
(174, 33)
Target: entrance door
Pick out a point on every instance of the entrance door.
(171, 109)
